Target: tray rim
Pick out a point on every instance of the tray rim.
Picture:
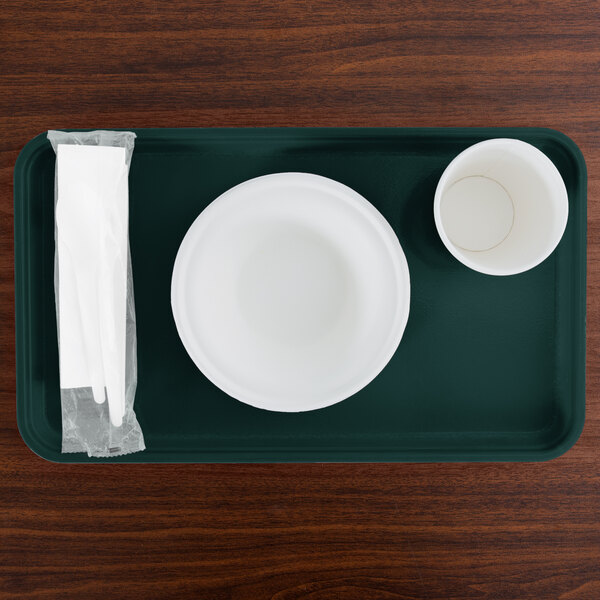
(37, 443)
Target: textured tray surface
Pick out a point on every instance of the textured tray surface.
(490, 368)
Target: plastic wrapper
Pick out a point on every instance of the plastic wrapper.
(94, 293)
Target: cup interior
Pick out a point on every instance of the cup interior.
(501, 207)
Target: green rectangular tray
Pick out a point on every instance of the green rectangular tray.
(489, 368)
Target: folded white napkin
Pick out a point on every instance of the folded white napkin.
(91, 226)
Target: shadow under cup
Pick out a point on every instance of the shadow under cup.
(501, 207)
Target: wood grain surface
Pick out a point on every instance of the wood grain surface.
(313, 531)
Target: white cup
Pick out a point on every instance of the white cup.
(501, 207)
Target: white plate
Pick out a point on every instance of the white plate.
(290, 292)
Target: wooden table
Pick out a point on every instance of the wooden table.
(290, 532)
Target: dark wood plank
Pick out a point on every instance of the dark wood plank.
(295, 532)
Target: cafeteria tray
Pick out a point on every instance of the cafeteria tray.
(489, 368)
